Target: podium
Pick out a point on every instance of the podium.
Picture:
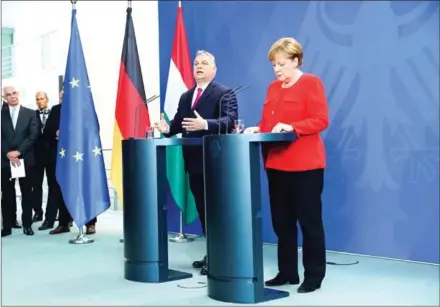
(233, 216)
(145, 212)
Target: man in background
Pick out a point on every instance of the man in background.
(50, 135)
(19, 131)
(41, 166)
(14, 196)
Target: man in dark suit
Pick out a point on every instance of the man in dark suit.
(199, 113)
(50, 135)
(41, 161)
(19, 132)
(15, 224)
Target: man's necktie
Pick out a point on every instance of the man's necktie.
(199, 93)
(45, 113)
(14, 117)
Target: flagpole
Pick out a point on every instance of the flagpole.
(121, 240)
(181, 237)
(81, 238)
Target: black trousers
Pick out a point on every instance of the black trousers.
(197, 186)
(39, 169)
(9, 201)
(55, 201)
(14, 205)
(92, 222)
(296, 196)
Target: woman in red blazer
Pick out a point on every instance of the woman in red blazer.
(295, 102)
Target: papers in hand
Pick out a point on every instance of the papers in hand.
(17, 171)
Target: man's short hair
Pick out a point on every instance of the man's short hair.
(200, 52)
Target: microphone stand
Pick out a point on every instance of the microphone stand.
(226, 95)
(229, 100)
(136, 115)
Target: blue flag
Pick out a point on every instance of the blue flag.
(80, 169)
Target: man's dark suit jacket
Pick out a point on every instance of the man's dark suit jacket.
(41, 145)
(208, 108)
(50, 131)
(22, 138)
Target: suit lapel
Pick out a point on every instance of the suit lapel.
(37, 113)
(7, 118)
(205, 95)
(19, 119)
(189, 98)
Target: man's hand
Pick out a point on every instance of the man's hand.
(280, 127)
(194, 124)
(15, 162)
(162, 126)
(13, 155)
(250, 130)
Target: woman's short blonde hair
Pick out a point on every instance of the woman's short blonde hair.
(288, 46)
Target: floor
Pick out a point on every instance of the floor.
(46, 270)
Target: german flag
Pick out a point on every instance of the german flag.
(131, 115)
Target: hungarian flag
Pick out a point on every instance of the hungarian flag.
(131, 115)
(180, 79)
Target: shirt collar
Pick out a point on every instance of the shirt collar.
(203, 86)
(17, 107)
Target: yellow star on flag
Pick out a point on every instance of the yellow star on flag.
(97, 151)
(74, 83)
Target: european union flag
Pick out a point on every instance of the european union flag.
(80, 167)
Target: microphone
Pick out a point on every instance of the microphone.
(136, 112)
(238, 91)
(235, 91)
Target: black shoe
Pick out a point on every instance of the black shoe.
(280, 280)
(16, 225)
(28, 231)
(90, 230)
(60, 229)
(45, 226)
(38, 217)
(199, 264)
(6, 232)
(306, 288)
(204, 270)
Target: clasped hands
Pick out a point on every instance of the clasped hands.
(188, 123)
(280, 127)
(13, 157)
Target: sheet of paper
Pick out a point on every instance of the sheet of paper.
(18, 171)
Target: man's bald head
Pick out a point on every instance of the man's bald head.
(42, 100)
(10, 94)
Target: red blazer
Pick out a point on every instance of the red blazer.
(304, 107)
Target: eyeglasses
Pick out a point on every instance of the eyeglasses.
(10, 94)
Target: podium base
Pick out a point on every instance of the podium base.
(273, 294)
(242, 291)
(152, 273)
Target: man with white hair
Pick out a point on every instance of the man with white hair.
(19, 132)
(199, 113)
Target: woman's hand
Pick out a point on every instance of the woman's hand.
(250, 130)
(280, 127)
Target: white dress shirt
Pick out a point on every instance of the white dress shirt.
(203, 87)
(13, 111)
